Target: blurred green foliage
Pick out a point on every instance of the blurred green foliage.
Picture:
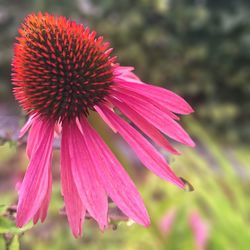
(199, 48)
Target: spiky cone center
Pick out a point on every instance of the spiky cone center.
(60, 68)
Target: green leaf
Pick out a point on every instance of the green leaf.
(14, 245)
(2, 242)
(7, 226)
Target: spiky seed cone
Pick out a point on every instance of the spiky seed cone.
(60, 68)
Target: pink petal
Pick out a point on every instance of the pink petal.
(166, 97)
(123, 70)
(117, 183)
(33, 137)
(35, 183)
(144, 125)
(143, 149)
(157, 118)
(87, 182)
(74, 208)
(145, 100)
(200, 230)
(105, 119)
(26, 126)
(42, 212)
(126, 72)
(58, 129)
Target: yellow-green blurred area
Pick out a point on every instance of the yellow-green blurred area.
(199, 49)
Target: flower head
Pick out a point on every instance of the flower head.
(61, 70)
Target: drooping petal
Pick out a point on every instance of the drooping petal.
(148, 155)
(35, 183)
(146, 100)
(87, 182)
(33, 137)
(171, 100)
(157, 118)
(144, 125)
(74, 207)
(42, 212)
(105, 119)
(116, 181)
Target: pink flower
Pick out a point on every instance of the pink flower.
(61, 72)
(167, 221)
(200, 230)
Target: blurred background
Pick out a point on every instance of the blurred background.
(201, 50)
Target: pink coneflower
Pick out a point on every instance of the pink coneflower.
(200, 230)
(61, 71)
(167, 221)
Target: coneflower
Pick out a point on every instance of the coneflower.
(61, 71)
(200, 230)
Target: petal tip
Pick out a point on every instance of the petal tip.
(77, 230)
(19, 223)
(77, 234)
(147, 223)
(35, 220)
(192, 144)
(188, 142)
(189, 109)
(103, 226)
